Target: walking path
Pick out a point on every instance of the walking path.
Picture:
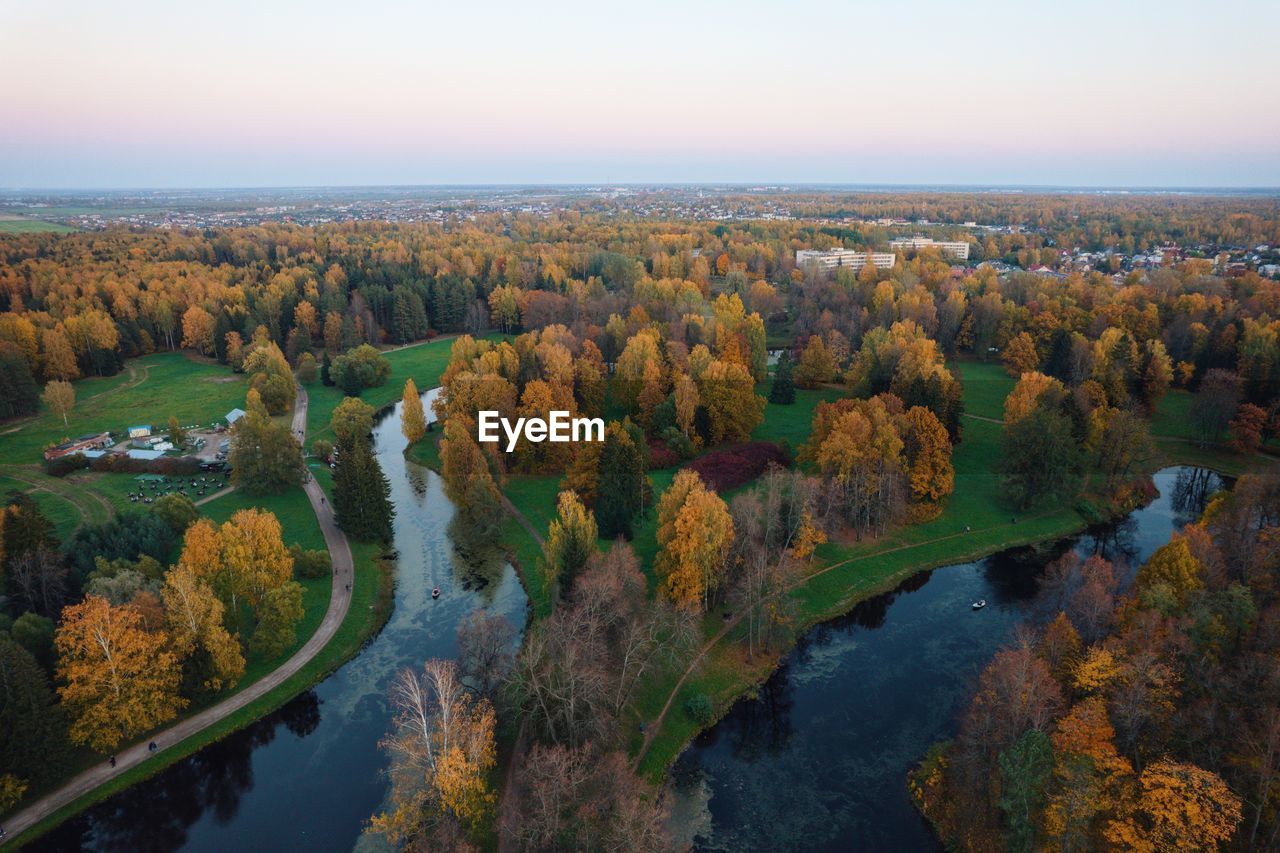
(339, 602)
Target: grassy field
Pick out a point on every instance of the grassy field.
(424, 362)
(10, 224)
(147, 391)
(985, 386)
(1173, 416)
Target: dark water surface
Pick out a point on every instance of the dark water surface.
(309, 776)
(819, 759)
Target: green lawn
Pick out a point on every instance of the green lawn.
(148, 391)
(24, 225)
(1173, 415)
(985, 386)
(424, 362)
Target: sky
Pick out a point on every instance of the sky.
(281, 93)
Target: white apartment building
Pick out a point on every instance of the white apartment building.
(958, 250)
(844, 259)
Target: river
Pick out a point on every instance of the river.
(311, 774)
(818, 760)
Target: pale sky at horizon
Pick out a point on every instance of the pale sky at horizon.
(148, 94)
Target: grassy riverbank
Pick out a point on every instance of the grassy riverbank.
(371, 602)
(974, 523)
(196, 391)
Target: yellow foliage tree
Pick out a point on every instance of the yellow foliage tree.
(571, 540)
(413, 421)
(928, 445)
(193, 614)
(1020, 355)
(1176, 807)
(1173, 566)
(695, 533)
(442, 749)
(1025, 396)
(118, 679)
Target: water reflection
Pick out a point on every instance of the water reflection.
(310, 775)
(818, 759)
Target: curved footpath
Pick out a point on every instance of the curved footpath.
(339, 601)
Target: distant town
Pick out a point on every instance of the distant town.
(961, 242)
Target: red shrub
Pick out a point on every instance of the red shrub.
(661, 456)
(734, 466)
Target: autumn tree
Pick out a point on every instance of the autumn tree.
(307, 369)
(928, 451)
(733, 407)
(571, 540)
(442, 749)
(194, 614)
(413, 422)
(177, 435)
(468, 478)
(817, 364)
(1172, 567)
(60, 398)
(1245, 430)
(1020, 355)
(351, 419)
(695, 533)
(118, 680)
(265, 457)
(57, 360)
(1028, 393)
(1176, 806)
(242, 561)
(197, 330)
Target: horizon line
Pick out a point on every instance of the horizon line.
(764, 184)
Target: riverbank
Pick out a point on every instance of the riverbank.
(371, 598)
(330, 633)
(974, 524)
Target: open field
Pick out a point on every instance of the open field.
(985, 386)
(13, 224)
(147, 391)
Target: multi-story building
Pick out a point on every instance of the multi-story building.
(844, 259)
(958, 249)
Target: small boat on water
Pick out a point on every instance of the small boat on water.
(979, 604)
(435, 593)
